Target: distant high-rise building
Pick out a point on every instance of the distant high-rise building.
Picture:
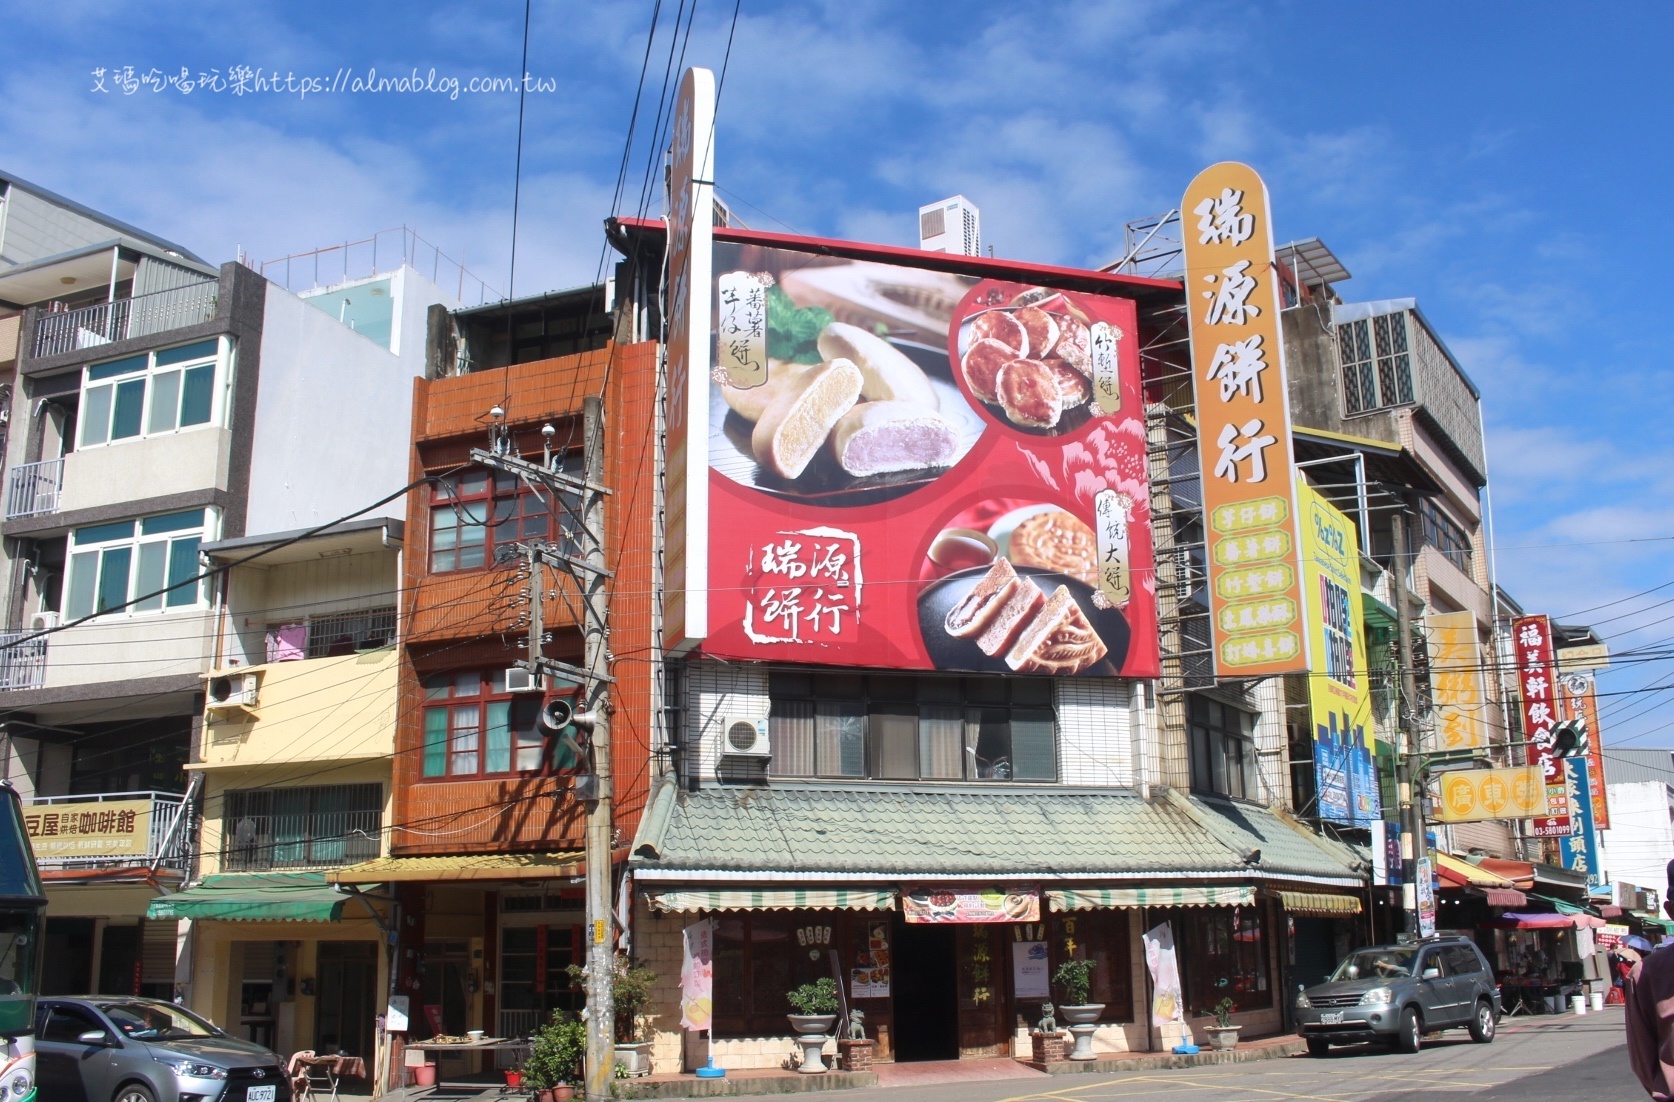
(950, 226)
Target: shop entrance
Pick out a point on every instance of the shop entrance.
(346, 973)
(926, 992)
(67, 956)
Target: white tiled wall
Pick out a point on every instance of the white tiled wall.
(1095, 723)
(1272, 742)
(714, 691)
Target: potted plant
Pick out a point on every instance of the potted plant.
(815, 1005)
(1076, 979)
(556, 1052)
(632, 991)
(1223, 1034)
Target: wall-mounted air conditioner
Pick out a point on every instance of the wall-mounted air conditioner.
(43, 621)
(744, 738)
(519, 680)
(227, 692)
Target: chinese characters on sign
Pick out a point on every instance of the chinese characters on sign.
(806, 588)
(951, 905)
(1238, 376)
(1578, 850)
(1532, 637)
(1107, 382)
(112, 828)
(741, 329)
(1577, 700)
(1456, 681)
(1477, 795)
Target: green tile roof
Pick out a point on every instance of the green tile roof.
(1035, 832)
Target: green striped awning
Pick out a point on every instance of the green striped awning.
(814, 899)
(255, 897)
(1320, 904)
(1092, 899)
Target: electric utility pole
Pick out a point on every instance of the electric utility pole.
(583, 560)
(1409, 777)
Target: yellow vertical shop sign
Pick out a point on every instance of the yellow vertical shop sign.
(1477, 795)
(1456, 684)
(1243, 412)
(1339, 688)
(1577, 699)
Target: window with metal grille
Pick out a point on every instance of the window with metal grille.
(348, 632)
(1376, 363)
(291, 828)
(1444, 535)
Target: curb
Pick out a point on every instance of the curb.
(1154, 1061)
(757, 1084)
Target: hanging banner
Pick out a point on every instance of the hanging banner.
(1457, 690)
(1030, 978)
(919, 469)
(697, 975)
(1480, 795)
(1424, 877)
(1339, 689)
(1243, 411)
(1168, 1008)
(1577, 699)
(691, 223)
(1578, 850)
(1536, 684)
(938, 905)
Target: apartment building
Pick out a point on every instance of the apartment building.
(165, 406)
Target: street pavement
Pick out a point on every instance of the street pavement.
(1559, 1059)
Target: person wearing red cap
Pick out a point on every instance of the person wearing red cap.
(1650, 1015)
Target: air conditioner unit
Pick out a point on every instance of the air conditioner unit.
(950, 226)
(520, 680)
(43, 621)
(232, 691)
(744, 738)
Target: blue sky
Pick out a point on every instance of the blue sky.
(1504, 163)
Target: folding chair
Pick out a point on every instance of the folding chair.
(321, 1082)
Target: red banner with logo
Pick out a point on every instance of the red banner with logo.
(1537, 687)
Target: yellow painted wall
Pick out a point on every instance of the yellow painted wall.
(218, 781)
(317, 709)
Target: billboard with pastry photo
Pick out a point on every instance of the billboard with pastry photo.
(917, 469)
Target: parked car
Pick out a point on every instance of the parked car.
(1398, 993)
(108, 1048)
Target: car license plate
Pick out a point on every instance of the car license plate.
(261, 1094)
(1326, 1017)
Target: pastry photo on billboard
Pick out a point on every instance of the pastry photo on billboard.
(1035, 360)
(831, 382)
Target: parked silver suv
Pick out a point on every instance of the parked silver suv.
(107, 1048)
(1398, 993)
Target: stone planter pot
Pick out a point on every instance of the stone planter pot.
(635, 1058)
(1223, 1037)
(1047, 1048)
(812, 1033)
(1083, 1020)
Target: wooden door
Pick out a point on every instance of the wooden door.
(983, 992)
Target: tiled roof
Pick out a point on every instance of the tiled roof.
(1035, 832)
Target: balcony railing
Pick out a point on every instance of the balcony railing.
(257, 843)
(33, 488)
(22, 660)
(110, 830)
(124, 318)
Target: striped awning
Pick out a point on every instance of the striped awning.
(1093, 899)
(1320, 904)
(814, 899)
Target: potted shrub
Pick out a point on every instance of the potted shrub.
(557, 1050)
(632, 991)
(815, 1006)
(1075, 977)
(1223, 1034)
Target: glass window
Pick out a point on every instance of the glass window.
(1223, 953)
(275, 828)
(761, 955)
(1376, 363)
(125, 567)
(475, 727)
(894, 727)
(1223, 758)
(475, 518)
(1103, 938)
(149, 395)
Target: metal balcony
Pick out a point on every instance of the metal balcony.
(110, 830)
(34, 488)
(23, 659)
(125, 318)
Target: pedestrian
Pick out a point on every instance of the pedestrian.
(1650, 1015)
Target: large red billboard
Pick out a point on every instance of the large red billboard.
(916, 469)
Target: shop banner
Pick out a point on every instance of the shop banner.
(1457, 690)
(920, 470)
(1536, 684)
(1030, 976)
(108, 828)
(1424, 876)
(948, 905)
(1386, 853)
(691, 231)
(1168, 1005)
(869, 978)
(1578, 850)
(1612, 934)
(1243, 416)
(697, 975)
(1339, 689)
(1480, 795)
(1577, 699)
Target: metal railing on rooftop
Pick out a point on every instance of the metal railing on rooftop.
(125, 318)
(385, 251)
(33, 488)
